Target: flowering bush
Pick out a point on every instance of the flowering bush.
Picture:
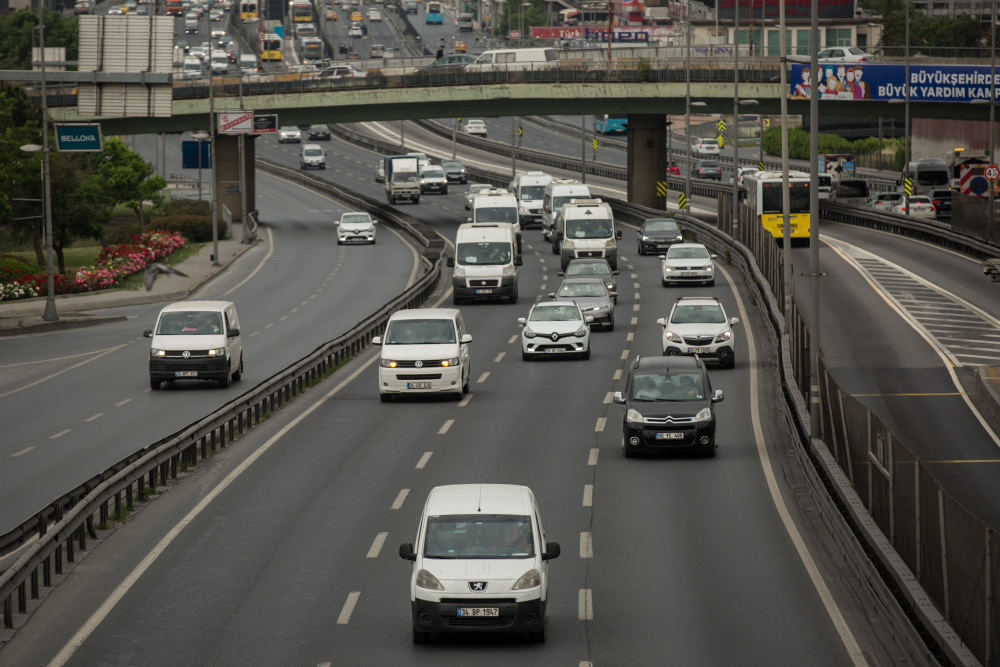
(11, 291)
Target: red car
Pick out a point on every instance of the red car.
(673, 169)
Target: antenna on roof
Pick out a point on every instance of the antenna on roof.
(480, 508)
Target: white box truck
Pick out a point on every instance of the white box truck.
(402, 179)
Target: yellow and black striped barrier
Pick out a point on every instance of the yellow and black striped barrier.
(595, 144)
(661, 188)
(908, 187)
(682, 202)
(760, 165)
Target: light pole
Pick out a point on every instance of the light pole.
(214, 195)
(50, 314)
(815, 418)
(513, 149)
(523, 5)
(736, 110)
(583, 148)
(786, 220)
(687, 101)
(906, 120)
(200, 136)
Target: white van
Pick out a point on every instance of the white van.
(514, 59)
(558, 192)
(219, 61)
(196, 340)
(424, 351)
(496, 205)
(529, 189)
(485, 262)
(586, 228)
(248, 63)
(480, 562)
(192, 67)
(313, 157)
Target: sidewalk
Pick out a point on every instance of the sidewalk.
(25, 316)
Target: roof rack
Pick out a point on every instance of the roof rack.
(683, 298)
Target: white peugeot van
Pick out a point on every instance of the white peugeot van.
(558, 192)
(586, 228)
(496, 205)
(529, 189)
(313, 157)
(515, 59)
(196, 340)
(424, 351)
(480, 562)
(485, 262)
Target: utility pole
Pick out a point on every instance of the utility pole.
(583, 148)
(906, 121)
(513, 148)
(454, 128)
(786, 220)
(50, 314)
(687, 104)
(814, 406)
(214, 191)
(993, 101)
(736, 112)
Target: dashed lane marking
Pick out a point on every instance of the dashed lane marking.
(444, 428)
(482, 378)
(588, 495)
(512, 339)
(400, 497)
(424, 459)
(295, 310)
(345, 613)
(23, 451)
(585, 605)
(630, 336)
(635, 307)
(377, 545)
(254, 334)
(60, 434)
(586, 546)
(607, 398)
(635, 320)
(97, 416)
(618, 374)
(465, 401)
(499, 357)
(269, 325)
(592, 459)
(121, 403)
(601, 421)
(624, 354)
(282, 318)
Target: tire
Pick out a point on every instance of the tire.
(239, 371)
(610, 326)
(639, 249)
(224, 384)
(525, 356)
(421, 637)
(385, 398)
(710, 283)
(555, 249)
(664, 282)
(625, 450)
(537, 637)
(416, 200)
(710, 452)
(154, 384)
(445, 191)
(392, 200)
(457, 300)
(586, 355)
(513, 297)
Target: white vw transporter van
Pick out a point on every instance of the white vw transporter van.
(480, 562)
(196, 340)
(485, 262)
(424, 351)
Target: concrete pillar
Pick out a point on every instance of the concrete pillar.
(227, 177)
(647, 157)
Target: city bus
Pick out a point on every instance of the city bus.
(312, 49)
(433, 13)
(248, 10)
(271, 48)
(607, 124)
(302, 11)
(765, 199)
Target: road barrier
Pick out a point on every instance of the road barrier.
(108, 494)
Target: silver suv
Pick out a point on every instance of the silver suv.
(698, 326)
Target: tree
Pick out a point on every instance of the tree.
(510, 18)
(82, 202)
(20, 172)
(17, 32)
(962, 31)
(131, 179)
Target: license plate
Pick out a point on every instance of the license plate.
(186, 374)
(418, 385)
(699, 350)
(689, 274)
(550, 350)
(478, 611)
(669, 436)
(484, 291)
(662, 246)
(357, 239)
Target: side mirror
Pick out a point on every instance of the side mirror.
(561, 273)
(615, 273)
(618, 398)
(613, 295)
(552, 551)
(551, 295)
(662, 321)
(718, 396)
(663, 256)
(406, 552)
(469, 220)
(518, 260)
(559, 235)
(337, 223)
(588, 318)
(618, 234)
(522, 320)
(233, 333)
(713, 256)
(733, 321)
(450, 261)
(377, 340)
(467, 338)
(374, 222)
(148, 333)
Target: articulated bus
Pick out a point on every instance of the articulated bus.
(764, 198)
(302, 11)
(607, 124)
(433, 13)
(271, 48)
(248, 10)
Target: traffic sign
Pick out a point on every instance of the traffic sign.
(760, 165)
(908, 187)
(83, 138)
(514, 34)
(519, 131)
(189, 154)
(721, 125)
(682, 202)
(595, 144)
(661, 188)
(235, 122)
(767, 122)
(721, 140)
(992, 172)
(265, 123)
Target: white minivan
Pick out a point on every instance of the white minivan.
(585, 228)
(424, 351)
(196, 340)
(496, 205)
(558, 192)
(529, 189)
(480, 563)
(485, 262)
(515, 59)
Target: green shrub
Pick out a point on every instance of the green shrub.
(18, 264)
(195, 228)
(123, 233)
(798, 143)
(183, 207)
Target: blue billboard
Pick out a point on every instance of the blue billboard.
(864, 81)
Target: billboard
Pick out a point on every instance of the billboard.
(593, 33)
(794, 9)
(862, 81)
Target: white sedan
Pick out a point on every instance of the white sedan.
(707, 147)
(687, 263)
(474, 190)
(920, 207)
(555, 328)
(356, 31)
(476, 127)
(289, 133)
(845, 54)
(745, 170)
(355, 228)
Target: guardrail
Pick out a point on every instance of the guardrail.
(73, 514)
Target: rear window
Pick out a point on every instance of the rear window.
(550, 54)
(852, 189)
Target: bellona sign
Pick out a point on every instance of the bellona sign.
(83, 138)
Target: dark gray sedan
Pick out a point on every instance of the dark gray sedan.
(455, 171)
(707, 169)
(453, 63)
(593, 297)
(658, 234)
(594, 267)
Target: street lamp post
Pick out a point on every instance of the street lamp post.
(214, 195)
(687, 101)
(583, 148)
(50, 314)
(736, 111)
(816, 425)
(786, 220)
(906, 121)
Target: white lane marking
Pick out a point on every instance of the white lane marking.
(630, 266)
(305, 303)
(377, 545)
(601, 421)
(588, 495)
(269, 325)
(254, 334)
(586, 546)
(635, 285)
(585, 606)
(634, 275)
(630, 336)
(592, 459)
(444, 428)
(72, 356)
(328, 664)
(635, 320)
(465, 401)
(618, 374)
(90, 419)
(345, 613)
(829, 603)
(23, 451)
(95, 619)
(624, 259)
(282, 318)
(542, 286)
(637, 295)
(583, 663)
(65, 370)
(121, 403)
(270, 251)
(424, 459)
(295, 310)
(482, 378)
(499, 357)
(541, 259)
(625, 354)
(512, 339)
(607, 398)
(635, 307)
(400, 497)
(538, 298)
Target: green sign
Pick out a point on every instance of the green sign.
(82, 138)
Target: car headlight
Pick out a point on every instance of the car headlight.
(422, 182)
(610, 243)
(680, 238)
(427, 580)
(157, 353)
(667, 267)
(389, 363)
(463, 170)
(610, 286)
(530, 579)
(459, 271)
(581, 332)
(508, 270)
(633, 416)
(724, 336)
(710, 267)
(567, 243)
(528, 333)
(672, 337)
(524, 211)
(704, 415)
(218, 352)
(645, 238)
(449, 362)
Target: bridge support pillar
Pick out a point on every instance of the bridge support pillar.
(647, 157)
(227, 177)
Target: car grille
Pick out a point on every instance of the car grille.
(419, 376)
(590, 253)
(413, 364)
(668, 420)
(698, 340)
(192, 353)
(483, 283)
(479, 621)
(162, 366)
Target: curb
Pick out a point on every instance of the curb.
(61, 325)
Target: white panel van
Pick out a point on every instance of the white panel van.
(485, 262)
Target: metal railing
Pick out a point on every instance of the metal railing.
(108, 494)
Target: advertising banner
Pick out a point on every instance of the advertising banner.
(794, 9)
(863, 81)
(234, 122)
(591, 33)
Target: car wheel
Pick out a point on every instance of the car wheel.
(373, 240)
(710, 452)
(710, 283)
(421, 637)
(154, 384)
(513, 297)
(385, 398)
(555, 249)
(626, 451)
(537, 637)
(525, 356)
(239, 371)
(224, 384)
(392, 200)
(445, 191)
(639, 250)
(610, 326)
(664, 282)
(457, 300)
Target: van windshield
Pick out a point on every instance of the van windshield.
(559, 202)
(496, 214)
(420, 332)
(588, 229)
(190, 323)
(404, 177)
(532, 192)
(479, 536)
(483, 254)
(313, 152)
(668, 387)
